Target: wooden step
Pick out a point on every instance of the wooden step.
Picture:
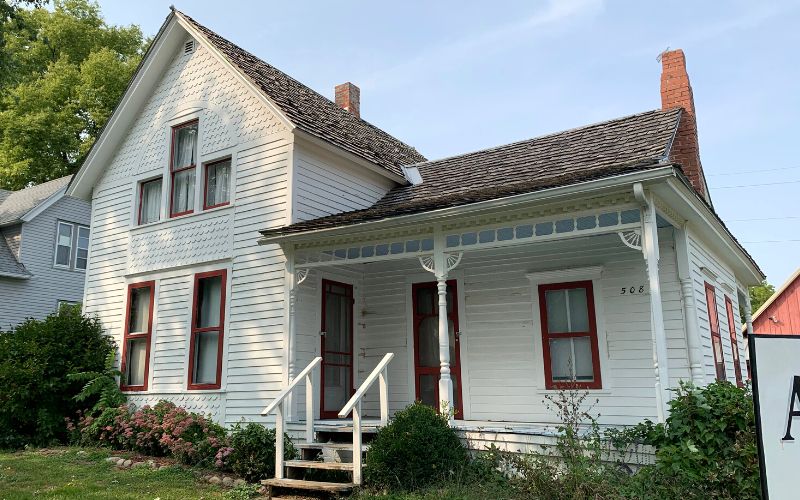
(330, 446)
(312, 464)
(300, 484)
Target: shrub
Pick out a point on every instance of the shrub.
(100, 385)
(417, 448)
(707, 446)
(36, 396)
(163, 429)
(250, 452)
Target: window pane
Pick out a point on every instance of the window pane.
(578, 310)
(425, 300)
(561, 359)
(427, 390)
(209, 297)
(64, 244)
(584, 371)
(183, 191)
(183, 154)
(557, 321)
(151, 202)
(206, 345)
(82, 252)
(428, 342)
(337, 387)
(135, 362)
(139, 310)
(218, 188)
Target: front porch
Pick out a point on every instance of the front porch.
(469, 295)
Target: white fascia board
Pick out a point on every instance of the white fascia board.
(686, 202)
(150, 70)
(587, 188)
(257, 92)
(312, 139)
(44, 205)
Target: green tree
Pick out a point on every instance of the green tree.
(66, 71)
(760, 294)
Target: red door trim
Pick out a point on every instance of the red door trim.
(455, 365)
(334, 414)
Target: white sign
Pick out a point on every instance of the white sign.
(775, 365)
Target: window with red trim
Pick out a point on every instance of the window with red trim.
(135, 365)
(183, 159)
(716, 340)
(217, 184)
(737, 367)
(569, 335)
(150, 201)
(208, 319)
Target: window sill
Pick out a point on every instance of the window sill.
(151, 392)
(605, 391)
(183, 219)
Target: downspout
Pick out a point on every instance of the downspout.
(651, 255)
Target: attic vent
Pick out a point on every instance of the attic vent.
(188, 47)
(412, 175)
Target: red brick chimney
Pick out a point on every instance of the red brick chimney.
(676, 92)
(348, 97)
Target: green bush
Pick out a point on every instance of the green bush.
(36, 396)
(416, 449)
(707, 446)
(251, 452)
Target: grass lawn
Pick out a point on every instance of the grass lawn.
(63, 473)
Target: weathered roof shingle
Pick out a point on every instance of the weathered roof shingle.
(604, 149)
(18, 203)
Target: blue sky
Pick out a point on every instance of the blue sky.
(452, 77)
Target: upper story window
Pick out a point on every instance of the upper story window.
(713, 324)
(150, 201)
(136, 340)
(183, 160)
(217, 184)
(72, 246)
(569, 335)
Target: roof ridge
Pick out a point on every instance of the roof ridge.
(546, 136)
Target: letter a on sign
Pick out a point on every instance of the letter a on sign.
(792, 412)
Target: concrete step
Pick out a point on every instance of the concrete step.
(312, 464)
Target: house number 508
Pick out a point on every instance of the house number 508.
(632, 290)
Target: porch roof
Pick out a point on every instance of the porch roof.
(625, 145)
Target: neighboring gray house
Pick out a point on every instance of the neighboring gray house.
(43, 251)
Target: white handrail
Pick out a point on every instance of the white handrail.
(278, 403)
(354, 405)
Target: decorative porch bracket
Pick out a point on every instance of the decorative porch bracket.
(651, 256)
(440, 264)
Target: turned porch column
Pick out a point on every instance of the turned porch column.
(689, 307)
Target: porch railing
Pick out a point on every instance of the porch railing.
(278, 404)
(379, 373)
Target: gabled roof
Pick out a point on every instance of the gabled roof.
(775, 296)
(313, 113)
(623, 145)
(17, 204)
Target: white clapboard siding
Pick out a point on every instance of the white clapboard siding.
(703, 260)
(324, 185)
(236, 123)
(34, 242)
(501, 371)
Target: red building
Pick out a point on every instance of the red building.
(781, 313)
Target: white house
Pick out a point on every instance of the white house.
(244, 225)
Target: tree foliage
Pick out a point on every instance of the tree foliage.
(65, 69)
(760, 294)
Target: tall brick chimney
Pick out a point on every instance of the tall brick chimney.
(676, 92)
(348, 97)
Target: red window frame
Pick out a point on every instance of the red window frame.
(597, 383)
(220, 328)
(205, 184)
(173, 171)
(713, 325)
(737, 367)
(128, 336)
(141, 197)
